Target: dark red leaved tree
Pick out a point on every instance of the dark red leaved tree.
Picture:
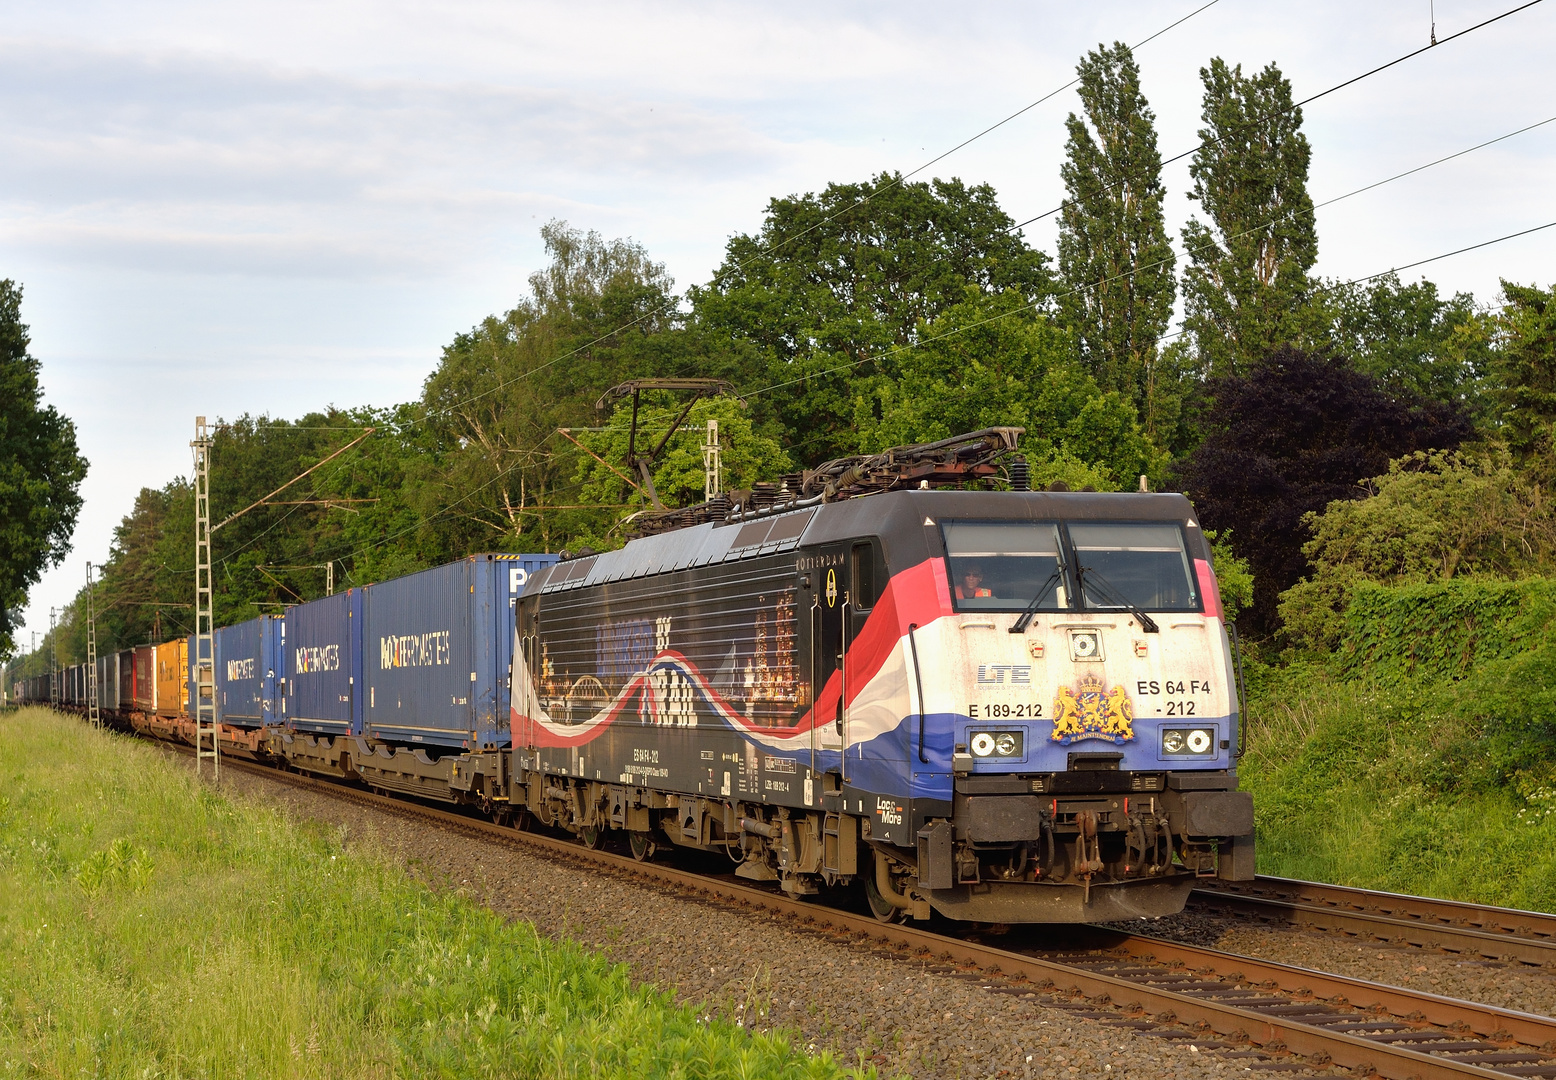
(1294, 435)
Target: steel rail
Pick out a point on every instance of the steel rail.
(1495, 933)
(1328, 1020)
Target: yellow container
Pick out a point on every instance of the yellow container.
(173, 678)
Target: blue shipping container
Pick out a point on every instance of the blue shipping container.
(436, 647)
(324, 665)
(250, 657)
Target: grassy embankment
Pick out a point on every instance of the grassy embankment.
(152, 927)
(1421, 757)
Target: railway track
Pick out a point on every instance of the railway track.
(1527, 937)
(1273, 1017)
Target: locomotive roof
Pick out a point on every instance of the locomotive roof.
(897, 519)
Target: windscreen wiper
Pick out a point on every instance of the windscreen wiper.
(1147, 623)
(1025, 619)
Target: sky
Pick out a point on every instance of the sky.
(271, 207)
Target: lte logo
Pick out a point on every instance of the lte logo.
(992, 674)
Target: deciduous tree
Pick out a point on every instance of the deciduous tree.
(601, 312)
(1409, 337)
(747, 456)
(1114, 256)
(1432, 517)
(1247, 281)
(1298, 433)
(1524, 370)
(40, 470)
(989, 362)
(836, 285)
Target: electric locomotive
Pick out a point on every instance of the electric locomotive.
(1004, 706)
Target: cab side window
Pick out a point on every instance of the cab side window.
(862, 576)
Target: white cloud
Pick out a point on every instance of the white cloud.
(227, 207)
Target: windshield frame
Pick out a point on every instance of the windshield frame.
(1064, 588)
(1191, 577)
(1069, 563)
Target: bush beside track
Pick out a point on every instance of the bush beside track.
(153, 927)
(1421, 758)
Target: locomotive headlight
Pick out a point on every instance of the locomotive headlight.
(1085, 645)
(1188, 741)
(996, 744)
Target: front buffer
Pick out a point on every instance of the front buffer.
(1096, 845)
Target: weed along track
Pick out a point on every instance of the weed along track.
(1526, 937)
(1254, 1013)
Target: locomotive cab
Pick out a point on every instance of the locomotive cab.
(1053, 737)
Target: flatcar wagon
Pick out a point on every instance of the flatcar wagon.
(1005, 706)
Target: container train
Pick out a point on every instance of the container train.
(1003, 706)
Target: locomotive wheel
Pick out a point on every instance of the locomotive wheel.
(592, 836)
(883, 910)
(642, 846)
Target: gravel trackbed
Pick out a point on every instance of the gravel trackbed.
(907, 1017)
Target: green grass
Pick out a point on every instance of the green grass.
(151, 927)
(1435, 787)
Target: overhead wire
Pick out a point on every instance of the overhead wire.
(1439, 161)
(558, 490)
(410, 528)
(1314, 97)
(1456, 251)
(897, 181)
(330, 475)
(898, 349)
(1307, 100)
(430, 517)
(862, 200)
(443, 410)
(1336, 286)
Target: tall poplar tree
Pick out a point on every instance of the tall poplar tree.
(1247, 281)
(1114, 255)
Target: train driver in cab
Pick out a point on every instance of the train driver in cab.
(970, 587)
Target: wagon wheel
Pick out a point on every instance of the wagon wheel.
(593, 837)
(642, 845)
(883, 909)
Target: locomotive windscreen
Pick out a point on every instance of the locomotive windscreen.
(1001, 566)
(1133, 565)
(1007, 565)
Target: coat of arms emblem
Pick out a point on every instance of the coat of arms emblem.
(1090, 712)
